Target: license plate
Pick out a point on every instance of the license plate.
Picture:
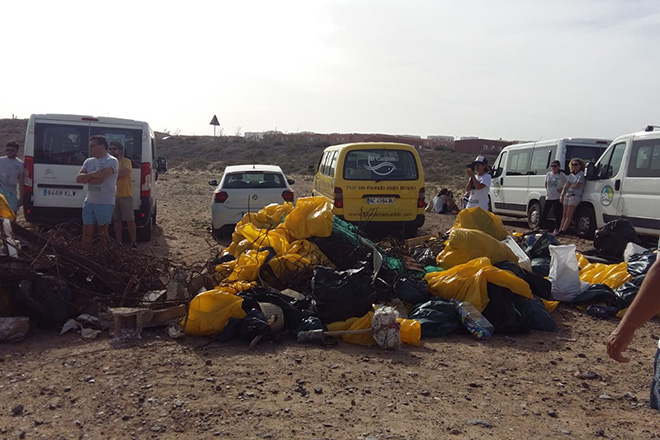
(59, 193)
(380, 200)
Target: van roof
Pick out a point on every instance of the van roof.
(86, 118)
(588, 141)
(371, 145)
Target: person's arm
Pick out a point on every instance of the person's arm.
(645, 305)
(101, 174)
(83, 175)
(123, 172)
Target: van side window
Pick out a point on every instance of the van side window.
(541, 158)
(645, 159)
(518, 163)
(498, 166)
(333, 162)
(324, 160)
(611, 161)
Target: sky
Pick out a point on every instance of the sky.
(510, 69)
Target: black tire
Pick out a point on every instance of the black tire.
(534, 215)
(217, 233)
(144, 233)
(153, 217)
(585, 222)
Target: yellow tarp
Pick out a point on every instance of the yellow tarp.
(477, 218)
(312, 217)
(467, 244)
(411, 330)
(612, 275)
(468, 282)
(5, 210)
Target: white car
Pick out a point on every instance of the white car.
(247, 188)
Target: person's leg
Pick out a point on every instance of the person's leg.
(88, 225)
(543, 220)
(569, 210)
(116, 222)
(132, 232)
(559, 213)
(103, 234)
(87, 233)
(128, 215)
(103, 214)
(655, 384)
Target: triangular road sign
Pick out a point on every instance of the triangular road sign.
(214, 121)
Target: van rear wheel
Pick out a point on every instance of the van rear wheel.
(144, 233)
(534, 215)
(585, 222)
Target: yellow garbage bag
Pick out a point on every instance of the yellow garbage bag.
(411, 331)
(612, 275)
(467, 244)
(312, 217)
(361, 323)
(269, 217)
(210, 311)
(300, 254)
(5, 209)
(246, 266)
(582, 261)
(477, 218)
(468, 282)
(258, 238)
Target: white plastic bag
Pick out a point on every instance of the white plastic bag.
(564, 272)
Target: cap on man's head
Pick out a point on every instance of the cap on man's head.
(480, 159)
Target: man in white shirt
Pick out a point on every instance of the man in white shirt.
(11, 176)
(479, 184)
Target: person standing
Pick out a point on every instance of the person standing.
(11, 176)
(479, 184)
(645, 306)
(99, 172)
(554, 183)
(124, 198)
(571, 194)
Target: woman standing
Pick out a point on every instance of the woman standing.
(479, 184)
(554, 182)
(571, 194)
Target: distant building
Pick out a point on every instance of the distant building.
(254, 135)
(476, 145)
(465, 138)
(441, 138)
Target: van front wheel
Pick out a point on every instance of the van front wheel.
(585, 222)
(534, 215)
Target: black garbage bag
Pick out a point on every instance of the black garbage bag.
(597, 293)
(254, 324)
(436, 317)
(309, 322)
(292, 309)
(412, 290)
(339, 295)
(45, 300)
(627, 292)
(423, 255)
(541, 246)
(602, 312)
(611, 239)
(541, 266)
(539, 285)
(512, 313)
(639, 264)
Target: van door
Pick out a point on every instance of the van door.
(516, 182)
(605, 194)
(496, 193)
(640, 197)
(59, 151)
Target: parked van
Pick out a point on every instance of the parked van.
(518, 184)
(55, 148)
(373, 182)
(624, 183)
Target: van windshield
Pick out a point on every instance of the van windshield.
(587, 154)
(379, 164)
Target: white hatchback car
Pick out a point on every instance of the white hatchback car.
(247, 188)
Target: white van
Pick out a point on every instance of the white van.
(518, 184)
(624, 183)
(55, 148)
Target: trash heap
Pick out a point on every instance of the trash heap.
(301, 271)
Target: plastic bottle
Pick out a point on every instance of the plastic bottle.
(473, 320)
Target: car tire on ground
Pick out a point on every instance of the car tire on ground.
(585, 222)
(144, 233)
(534, 215)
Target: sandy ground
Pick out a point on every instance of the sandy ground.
(534, 385)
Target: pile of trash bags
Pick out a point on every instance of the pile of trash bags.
(300, 270)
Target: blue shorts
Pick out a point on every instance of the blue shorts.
(94, 214)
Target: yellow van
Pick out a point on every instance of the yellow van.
(374, 183)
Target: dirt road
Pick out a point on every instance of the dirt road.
(534, 385)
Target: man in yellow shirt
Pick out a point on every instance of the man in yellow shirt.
(124, 199)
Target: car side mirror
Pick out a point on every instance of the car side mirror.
(591, 172)
(161, 164)
(290, 181)
(213, 182)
